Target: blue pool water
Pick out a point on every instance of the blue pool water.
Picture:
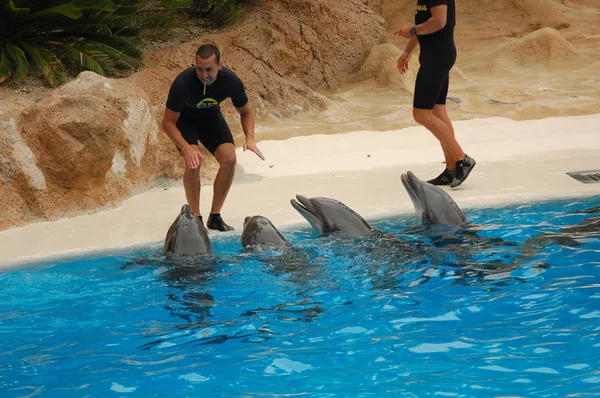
(510, 307)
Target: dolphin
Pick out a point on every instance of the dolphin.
(570, 236)
(328, 215)
(432, 204)
(187, 235)
(260, 232)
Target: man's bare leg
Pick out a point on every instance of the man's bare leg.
(225, 155)
(440, 112)
(444, 134)
(191, 185)
(438, 122)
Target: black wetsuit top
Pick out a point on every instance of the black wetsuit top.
(443, 39)
(187, 94)
(200, 116)
(437, 56)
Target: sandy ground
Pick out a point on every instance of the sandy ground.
(518, 161)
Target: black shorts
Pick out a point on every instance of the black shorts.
(431, 87)
(211, 132)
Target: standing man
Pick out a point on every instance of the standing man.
(434, 32)
(193, 114)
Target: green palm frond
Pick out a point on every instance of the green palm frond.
(6, 65)
(12, 10)
(21, 64)
(96, 5)
(118, 57)
(45, 61)
(125, 45)
(79, 55)
(85, 29)
(50, 35)
(55, 36)
(68, 10)
(126, 11)
(112, 20)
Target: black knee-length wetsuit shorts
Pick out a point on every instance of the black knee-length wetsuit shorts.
(211, 132)
(431, 87)
(438, 55)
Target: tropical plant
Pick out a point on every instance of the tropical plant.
(217, 11)
(53, 35)
(222, 11)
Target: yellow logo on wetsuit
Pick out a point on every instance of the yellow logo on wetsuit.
(207, 103)
(421, 7)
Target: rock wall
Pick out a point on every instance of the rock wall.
(287, 52)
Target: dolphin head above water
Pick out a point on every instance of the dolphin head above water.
(432, 204)
(328, 215)
(187, 235)
(260, 231)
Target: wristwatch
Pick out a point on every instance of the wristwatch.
(413, 31)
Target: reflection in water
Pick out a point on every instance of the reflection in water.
(192, 307)
(302, 274)
(188, 279)
(303, 311)
(567, 236)
(192, 280)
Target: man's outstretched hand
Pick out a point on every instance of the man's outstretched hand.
(251, 146)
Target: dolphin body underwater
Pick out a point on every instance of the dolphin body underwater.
(567, 236)
(187, 235)
(388, 257)
(263, 241)
(433, 207)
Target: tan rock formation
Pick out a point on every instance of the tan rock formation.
(543, 50)
(20, 176)
(489, 18)
(287, 52)
(381, 65)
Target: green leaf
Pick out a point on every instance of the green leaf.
(97, 35)
(12, 11)
(45, 61)
(116, 54)
(68, 10)
(5, 64)
(87, 59)
(99, 5)
(126, 11)
(125, 46)
(20, 59)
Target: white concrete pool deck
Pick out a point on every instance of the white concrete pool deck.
(516, 162)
